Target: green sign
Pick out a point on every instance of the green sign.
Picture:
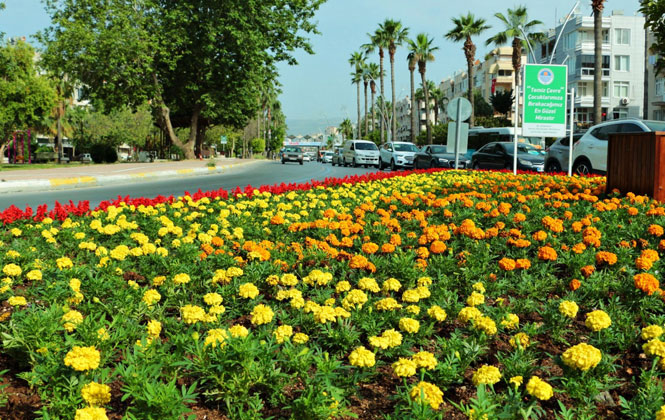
(545, 89)
(223, 140)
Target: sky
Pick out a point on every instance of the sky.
(318, 92)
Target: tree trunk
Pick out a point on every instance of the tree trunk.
(470, 52)
(366, 119)
(358, 124)
(392, 85)
(58, 135)
(383, 96)
(517, 59)
(165, 114)
(598, 64)
(426, 90)
(414, 106)
(373, 90)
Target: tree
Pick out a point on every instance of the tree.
(196, 61)
(517, 25)
(466, 27)
(394, 35)
(357, 61)
(423, 50)
(366, 79)
(502, 101)
(653, 11)
(597, 6)
(378, 42)
(482, 108)
(411, 58)
(346, 128)
(435, 98)
(373, 72)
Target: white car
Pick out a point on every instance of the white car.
(590, 153)
(398, 154)
(327, 157)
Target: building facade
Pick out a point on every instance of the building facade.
(623, 63)
(403, 115)
(655, 103)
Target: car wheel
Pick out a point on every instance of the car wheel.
(392, 165)
(476, 166)
(283, 162)
(553, 166)
(377, 166)
(355, 165)
(582, 167)
(432, 164)
(300, 162)
(381, 165)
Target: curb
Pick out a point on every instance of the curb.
(54, 184)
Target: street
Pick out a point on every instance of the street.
(257, 174)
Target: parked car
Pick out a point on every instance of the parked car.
(360, 152)
(292, 154)
(556, 156)
(327, 156)
(590, 153)
(397, 154)
(437, 156)
(84, 158)
(306, 157)
(499, 155)
(338, 157)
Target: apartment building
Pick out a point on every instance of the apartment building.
(403, 115)
(622, 64)
(655, 103)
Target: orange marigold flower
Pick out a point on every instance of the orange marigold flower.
(661, 245)
(358, 261)
(633, 211)
(650, 254)
(507, 264)
(655, 230)
(579, 248)
(438, 247)
(370, 248)
(608, 258)
(646, 282)
(523, 263)
(492, 276)
(547, 253)
(541, 235)
(643, 263)
(387, 248)
(422, 252)
(395, 239)
(588, 270)
(217, 241)
(277, 220)
(574, 284)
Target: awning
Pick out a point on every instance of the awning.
(501, 65)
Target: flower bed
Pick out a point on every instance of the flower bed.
(425, 295)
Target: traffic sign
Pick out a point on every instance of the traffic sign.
(223, 140)
(464, 109)
(463, 138)
(545, 88)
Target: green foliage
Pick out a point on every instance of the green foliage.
(653, 11)
(439, 135)
(114, 128)
(493, 122)
(502, 101)
(481, 107)
(346, 128)
(103, 153)
(258, 145)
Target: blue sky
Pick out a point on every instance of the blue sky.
(318, 92)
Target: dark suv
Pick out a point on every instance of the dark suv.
(292, 154)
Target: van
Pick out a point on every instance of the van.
(360, 152)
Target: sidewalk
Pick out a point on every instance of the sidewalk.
(104, 174)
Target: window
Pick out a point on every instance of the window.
(583, 89)
(606, 89)
(622, 63)
(659, 115)
(660, 87)
(621, 89)
(505, 72)
(631, 128)
(586, 64)
(622, 36)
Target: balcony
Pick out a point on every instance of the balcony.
(585, 101)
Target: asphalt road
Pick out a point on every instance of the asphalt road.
(255, 174)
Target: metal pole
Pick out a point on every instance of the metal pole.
(517, 118)
(562, 29)
(570, 146)
(29, 142)
(458, 132)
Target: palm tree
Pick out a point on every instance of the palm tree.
(378, 42)
(465, 27)
(373, 72)
(435, 98)
(423, 50)
(517, 25)
(346, 128)
(357, 60)
(395, 35)
(597, 6)
(411, 58)
(366, 79)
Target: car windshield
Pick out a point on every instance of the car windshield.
(366, 146)
(439, 149)
(405, 147)
(655, 125)
(526, 149)
(328, 153)
(292, 149)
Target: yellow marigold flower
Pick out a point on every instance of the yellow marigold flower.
(248, 291)
(486, 324)
(475, 299)
(424, 281)
(158, 281)
(404, 367)
(486, 374)
(102, 334)
(654, 347)
(413, 309)
(597, 320)
(17, 301)
(154, 328)
(425, 360)
(214, 336)
(216, 310)
(300, 338)
(96, 394)
(91, 413)
(660, 415)
(341, 312)
(152, 296)
(181, 278)
(427, 393)
(369, 284)
(469, 313)
(511, 322)
(71, 320)
(282, 333)
(17, 232)
(288, 280)
(582, 356)
(568, 308)
(437, 313)
(539, 388)
(517, 381)
(652, 331)
(423, 292)
(12, 270)
(238, 331)
(355, 299)
(343, 286)
(520, 339)
(409, 325)
(479, 287)
(75, 284)
(262, 314)
(387, 304)
(391, 285)
(34, 275)
(192, 314)
(411, 296)
(361, 357)
(212, 299)
(83, 358)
